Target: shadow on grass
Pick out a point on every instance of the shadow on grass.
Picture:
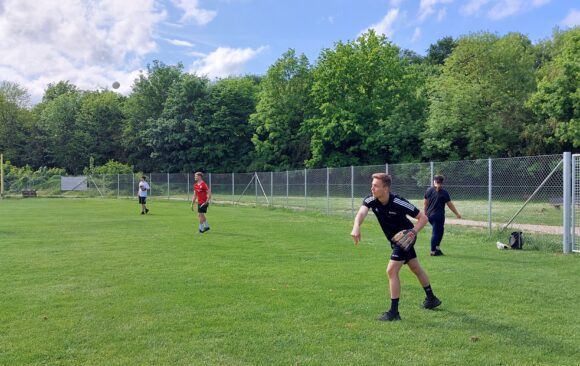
(514, 336)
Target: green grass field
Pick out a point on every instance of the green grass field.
(92, 282)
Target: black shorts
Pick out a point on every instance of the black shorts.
(203, 207)
(400, 254)
(142, 200)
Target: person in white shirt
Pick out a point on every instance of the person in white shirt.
(142, 194)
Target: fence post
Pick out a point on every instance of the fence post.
(256, 185)
(489, 195)
(352, 190)
(327, 191)
(188, 186)
(133, 185)
(1, 176)
(567, 202)
(574, 198)
(386, 168)
(305, 190)
(151, 184)
(118, 185)
(167, 186)
(287, 189)
(272, 189)
(431, 183)
(233, 190)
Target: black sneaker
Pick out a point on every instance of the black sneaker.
(146, 210)
(436, 253)
(389, 316)
(201, 231)
(142, 213)
(206, 229)
(431, 303)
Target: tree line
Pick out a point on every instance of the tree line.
(362, 102)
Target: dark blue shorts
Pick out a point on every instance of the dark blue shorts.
(142, 200)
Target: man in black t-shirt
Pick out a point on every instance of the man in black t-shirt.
(391, 212)
(436, 198)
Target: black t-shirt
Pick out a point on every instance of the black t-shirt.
(392, 216)
(436, 201)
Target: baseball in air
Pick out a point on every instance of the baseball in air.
(116, 85)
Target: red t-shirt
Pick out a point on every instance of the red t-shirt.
(201, 192)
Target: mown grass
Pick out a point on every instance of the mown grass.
(92, 282)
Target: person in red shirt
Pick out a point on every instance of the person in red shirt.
(203, 196)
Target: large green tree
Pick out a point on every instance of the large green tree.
(365, 105)
(171, 137)
(557, 100)
(280, 139)
(147, 101)
(222, 129)
(439, 51)
(477, 103)
(99, 122)
(65, 143)
(16, 124)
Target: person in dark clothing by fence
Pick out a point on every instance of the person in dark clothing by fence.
(436, 197)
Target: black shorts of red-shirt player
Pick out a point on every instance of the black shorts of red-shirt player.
(202, 208)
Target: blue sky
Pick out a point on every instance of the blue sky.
(95, 42)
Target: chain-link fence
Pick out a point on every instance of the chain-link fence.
(523, 194)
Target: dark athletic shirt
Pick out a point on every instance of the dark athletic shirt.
(392, 216)
(436, 201)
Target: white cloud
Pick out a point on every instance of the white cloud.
(505, 8)
(473, 6)
(500, 8)
(193, 11)
(225, 61)
(416, 35)
(540, 2)
(180, 43)
(197, 54)
(572, 19)
(91, 44)
(441, 14)
(385, 26)
(427, 7)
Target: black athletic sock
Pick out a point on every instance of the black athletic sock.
(394, 305)
(429, 292)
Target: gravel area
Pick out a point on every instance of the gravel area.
(531, 228)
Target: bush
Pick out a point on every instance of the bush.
(17, 179)
(111, 167)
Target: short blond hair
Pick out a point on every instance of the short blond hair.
(199, 174)
(385, 178)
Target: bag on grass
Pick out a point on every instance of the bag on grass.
(516, 240)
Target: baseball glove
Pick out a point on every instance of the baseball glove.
(405, 239)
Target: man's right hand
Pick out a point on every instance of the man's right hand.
(355, 233)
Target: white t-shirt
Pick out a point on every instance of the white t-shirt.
(143, 187)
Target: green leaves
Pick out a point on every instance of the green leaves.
(557, 100)
(478, 101)
(360, 88)
(280, 139)
(363, 102)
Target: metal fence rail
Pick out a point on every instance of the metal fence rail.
(488, 192)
